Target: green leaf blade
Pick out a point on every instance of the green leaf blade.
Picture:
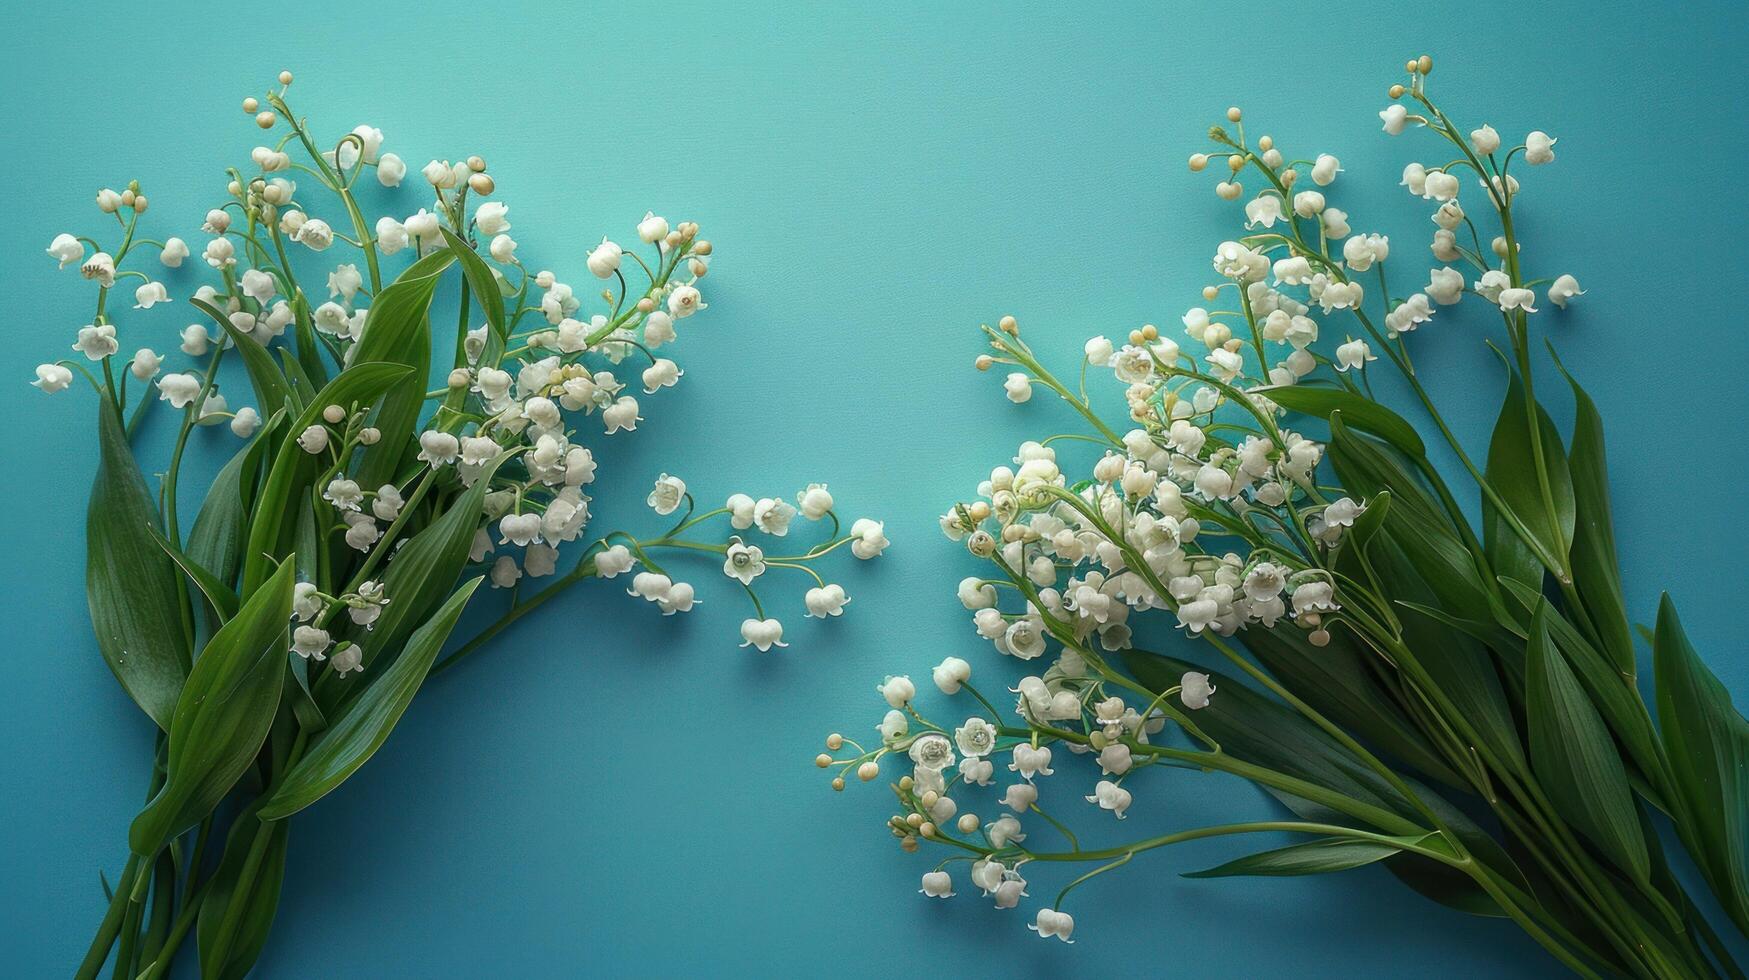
(367, 720)
(130, 583)
(1322, 856)
(223, 715)
(1707, 742)
(1574, 757)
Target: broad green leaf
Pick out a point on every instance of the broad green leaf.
(309, 356)
(397, 330)
(1707, 742)
(1415, 522)
(292, 469)
(368, 718)
(223, 715)
(1464, 672)
(1512, 472)
(1614, 697)
(260, 901)
(270, 385)
(480, 282)
(1267, 733)
(216, 541)
(223, 600)
(1336, 681)
(1574, 758)
(130, 583)
(1596, 571)
(1369, 521)
(1321, 856)
(300, 385)
(1361, 413)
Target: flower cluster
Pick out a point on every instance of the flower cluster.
(1205, 505)
(359, 498)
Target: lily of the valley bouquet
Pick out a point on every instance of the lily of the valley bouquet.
(1459, 701)
(276, 638)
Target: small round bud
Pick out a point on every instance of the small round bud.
(983, 362)
(234, 188)
(1266, 142)
(1013, 533)
(140, 204)
(929, 799)
(908, 845)
(868, 771)
(251, 104)
(1210, 292)
(914, 820)
(1198, 161)
(1424, 65)
(702, 247)
(905, 783)
(1289, 177)
(968, 823)
(370, 435)
(1009, 325)
(1233, 114)
(1320, 638)
(1236, 162)
(698, 268)
(838, 783)
(1411, 65)
(646, 305)
(822, 760)
(334, 413)
(285, 78)
(481, 184)
(460, 378)
(979, 511)
(834, 741)
(1397, 91)
(265, 120)
(1136, 338)
(477, 164)
(926, 828)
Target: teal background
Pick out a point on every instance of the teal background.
(610, 792)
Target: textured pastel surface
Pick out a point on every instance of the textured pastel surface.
(613, 792)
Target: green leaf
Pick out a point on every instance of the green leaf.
(368, 719)
(1321, 856)
(480, 282)
(260, 901)
(1614, 697)
(130, 583)
(1267, 733)
(1596, 571)
(223, 600)
(223, 715)
(292, 470)
(1370, 520)
(1574, 758)
(1512, 472)
(216, 541)
(1360, 412)
(1707, 742)
(1415, 521)
(1336, 681)
(270, 385)
(300, 385)
(397, 330)
(309, 356)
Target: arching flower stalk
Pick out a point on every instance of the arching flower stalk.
(276, 639)
(1376, 656)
